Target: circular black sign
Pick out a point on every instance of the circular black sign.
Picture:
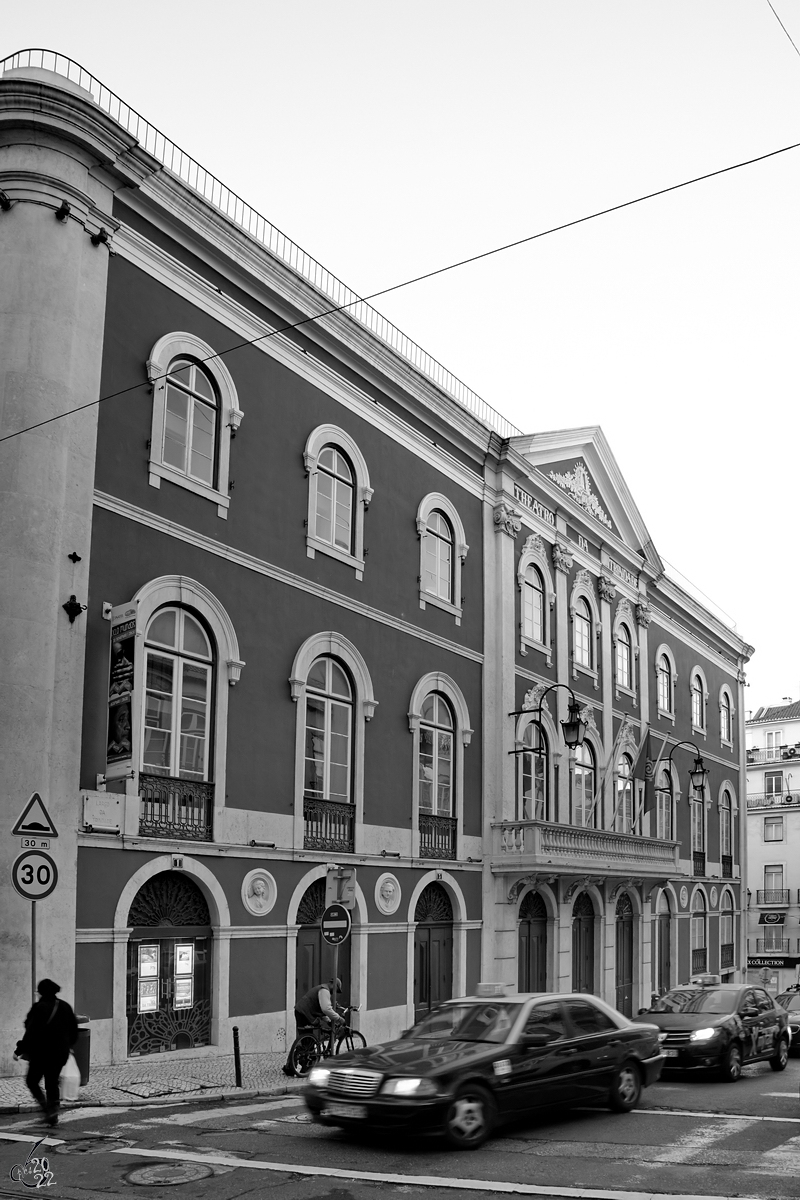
(335, 924)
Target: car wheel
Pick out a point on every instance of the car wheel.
(781, 1056)
(470, 1118)
(626, 1088)
(730, 1067)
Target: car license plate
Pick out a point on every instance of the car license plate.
(671, 1053)
(354, 1112)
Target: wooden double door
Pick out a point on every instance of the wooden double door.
(532, 944)
(315, 958)
(624, 956)
(433, 950)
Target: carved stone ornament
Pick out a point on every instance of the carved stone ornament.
(621, 886)
(507, 520)
(607, 588)
(585, 882)
(259, 892)
(562, 557)
(684, 896)
(584, 579)
(714, 896)
(643, 614)
(624, 610)
(579, 486)
(626, 737)
(534, 545)
(533, 697)
(527, 880)
(387, 894)
(587, 715)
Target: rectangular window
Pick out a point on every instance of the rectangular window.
(583, 642)
(698, 830)
(664, 816)
(773, 829)
(773, 937)
(774, 743)
(773, 879)
(773, 783)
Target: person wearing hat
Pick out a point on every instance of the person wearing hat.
(50, 1031)
(316, 1008)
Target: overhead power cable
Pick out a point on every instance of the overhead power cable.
(783, 27)
(462, 262)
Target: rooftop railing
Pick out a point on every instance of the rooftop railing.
(212, 190)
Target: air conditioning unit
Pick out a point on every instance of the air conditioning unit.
(791, 752)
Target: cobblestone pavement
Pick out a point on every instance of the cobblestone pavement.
(165, 1081)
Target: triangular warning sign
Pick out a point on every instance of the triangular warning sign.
(34, 818)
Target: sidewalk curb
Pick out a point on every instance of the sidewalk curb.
(175, 1099)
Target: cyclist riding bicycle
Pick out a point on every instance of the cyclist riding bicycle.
(316, 1008)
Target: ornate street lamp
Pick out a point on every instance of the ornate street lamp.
(574, 728)
(698, 775)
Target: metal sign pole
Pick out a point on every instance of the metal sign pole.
(335, 976)
(33, 950)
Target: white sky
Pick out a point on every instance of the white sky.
(391, 138)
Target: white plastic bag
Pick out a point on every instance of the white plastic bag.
(70, 1078)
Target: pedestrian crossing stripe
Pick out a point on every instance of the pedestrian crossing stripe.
(34, 818)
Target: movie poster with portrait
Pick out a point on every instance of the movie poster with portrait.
(119, 746)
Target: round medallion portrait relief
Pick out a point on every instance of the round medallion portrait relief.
(714, 897)
(387, 894)
(684, 897)
(259, 892)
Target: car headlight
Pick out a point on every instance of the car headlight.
(319, 1076)
(409, 1087)
(703, 1035)
(662, 1037)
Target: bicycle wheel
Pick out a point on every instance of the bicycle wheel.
(351, 1039)
(304, 1054)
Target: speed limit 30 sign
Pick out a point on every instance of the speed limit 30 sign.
(34, 875)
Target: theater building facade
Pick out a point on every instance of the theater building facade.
(290, 602)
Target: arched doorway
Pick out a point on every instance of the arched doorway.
(624, 941)
(661, 950)
(433, 949)
(315, 956)
(169, 966)
(532, 944)
(583, 944)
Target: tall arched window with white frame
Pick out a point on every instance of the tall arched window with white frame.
(727, 944)
(438, 557)
(533, 771)
(329, 715)
(624, 657)
(726, 834)
(698, 703)
(664, 806)
(584, 786)
(533, 602)
(664, 689)
(191, 421)
(725, 718)
(697, 806)
(623, 811)
(698, 934)
(583, 633)
(436, 756)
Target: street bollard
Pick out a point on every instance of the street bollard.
(237, 1060)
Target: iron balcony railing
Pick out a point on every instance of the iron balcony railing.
(334, 294)
(329, 825)
(775, 754)
(726, 954)
(699, 960)
(772, 945)
(772, 799)
(437, 836)
(727, 866)
(180, 808)
(773, 896)
(698, 862)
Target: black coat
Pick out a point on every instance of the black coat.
(47, 1034)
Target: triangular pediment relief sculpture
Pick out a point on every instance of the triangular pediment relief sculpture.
(578, 482)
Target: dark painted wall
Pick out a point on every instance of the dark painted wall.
(257, 977)
(386, 971)
(94, 974)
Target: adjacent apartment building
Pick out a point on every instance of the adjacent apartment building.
(773, 844)
(286, 602)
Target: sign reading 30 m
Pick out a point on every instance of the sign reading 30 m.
(34, 875)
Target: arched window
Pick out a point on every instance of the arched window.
(699, 693)
(624, 657)
(584, 783)
(698, 934)
(583, 633)
(443, 549)
(533, 772)
(178, 686)
(725, 829)
(195, 414)
(664, 685)
(726, 935)
(333, 516)
(725, 717)
(438, 557)
(436, 756)
(329, 723)
(624, 799)
(338, 496)
(664, 806)
(533, 601)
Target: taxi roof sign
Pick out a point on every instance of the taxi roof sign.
(34, 819)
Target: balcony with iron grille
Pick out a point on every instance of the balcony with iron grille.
(774, 754)
(698, 862)
(699, 960)
(772, 945)
(727, 866)
(437, 836)
(524, 845)
(772, 799)
(175, 808)
(726, 955)
(773, 896)
(329, 825)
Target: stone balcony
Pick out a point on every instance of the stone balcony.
(569, 849)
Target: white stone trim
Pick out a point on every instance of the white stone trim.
(664, 651)
(166, 350)
(624, 615)
(581, 589)
(333, 645)
(436, 501)
(535, 554)
(698, 671)
(437, 681)
(726, 690)
(318, 439)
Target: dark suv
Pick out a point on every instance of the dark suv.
(720, 1025)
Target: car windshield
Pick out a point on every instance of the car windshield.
(691, 1000)
(487, 1022)
(789, 1000)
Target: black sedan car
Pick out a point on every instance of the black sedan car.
(476, 1062)
(720, 1025)
(791, 1002)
